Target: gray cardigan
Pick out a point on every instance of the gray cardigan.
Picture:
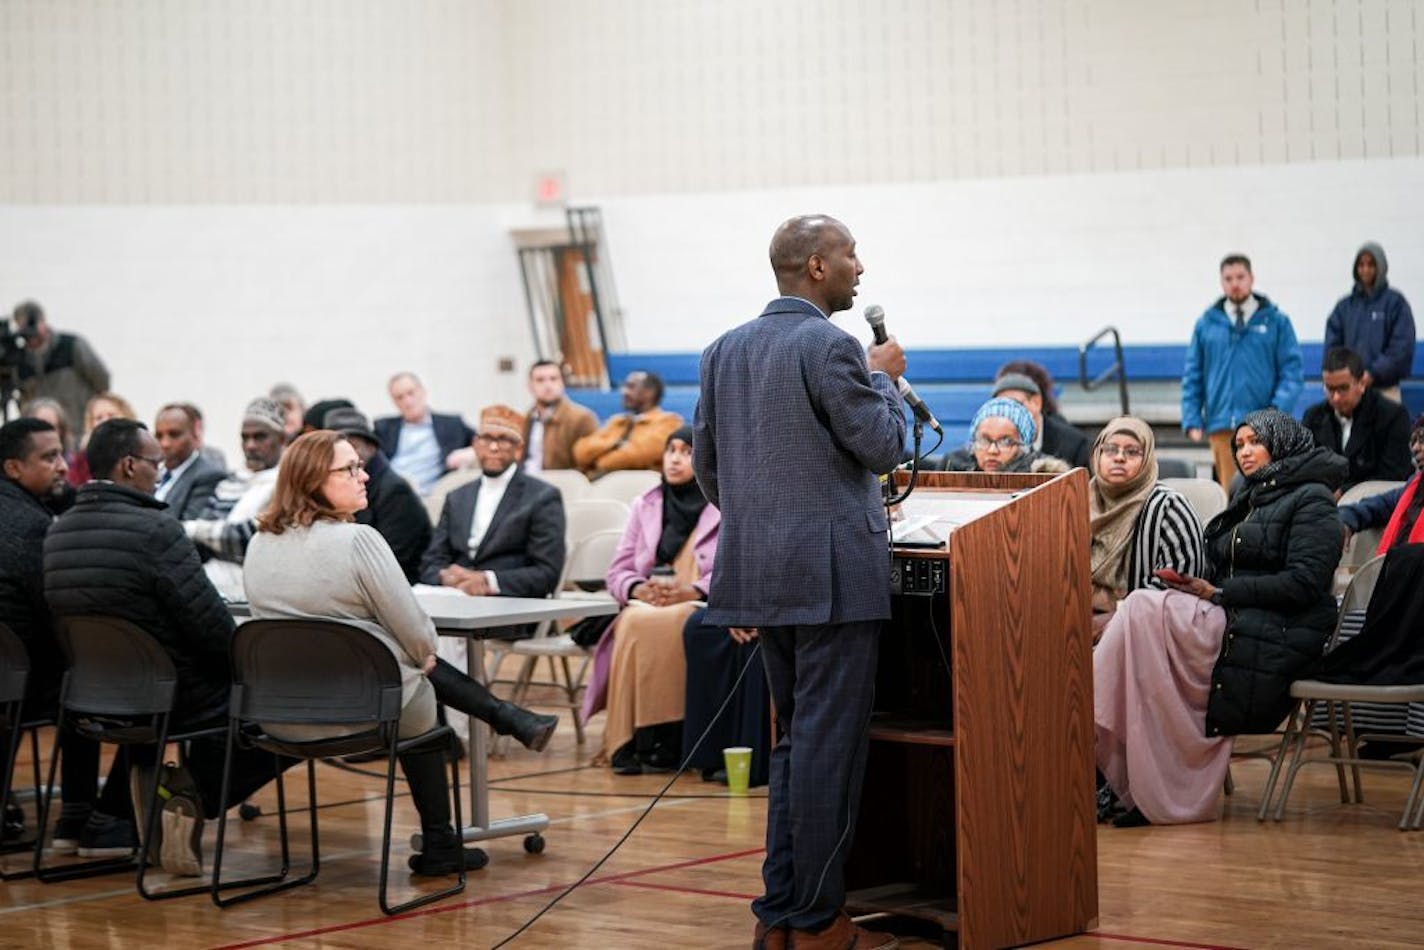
(338, 570)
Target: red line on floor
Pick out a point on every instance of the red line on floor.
(478, 902)
(1161, 942)
(685, 890)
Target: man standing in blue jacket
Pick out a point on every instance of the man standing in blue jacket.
(1375, 321)
(1243, 357)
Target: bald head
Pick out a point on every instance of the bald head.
(813, 257)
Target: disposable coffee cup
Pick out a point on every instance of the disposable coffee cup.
(738, 760)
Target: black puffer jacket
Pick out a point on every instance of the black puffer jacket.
(116, 553)
(23, 523)
(1273, 552)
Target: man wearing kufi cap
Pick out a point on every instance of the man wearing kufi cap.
(229, 522)
(501, 534)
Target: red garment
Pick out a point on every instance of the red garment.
(78, 469)
(1396, 520)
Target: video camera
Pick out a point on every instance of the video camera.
(13, 341)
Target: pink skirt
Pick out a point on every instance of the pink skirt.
(1151, 679)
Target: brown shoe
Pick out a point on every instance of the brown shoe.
(769, 939)
(842, 934)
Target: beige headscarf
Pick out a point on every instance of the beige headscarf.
(1113, 510)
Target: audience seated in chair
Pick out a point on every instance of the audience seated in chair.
(662, 567)
(555, 423)
(98, 410)
(1001, 440)
(49, 410)
(311, 560)
(1397, 510)
(227, 524)
(392, 508)
(1138, 524)
(1029, 383)
(116, 553)
(187, 481)
(32, 470)
(634, 438)
(1355, 421)
(1179, 672)
(422, 445)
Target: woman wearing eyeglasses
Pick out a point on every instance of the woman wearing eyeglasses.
(1001, 440)
(311, 560)
(1138, 525)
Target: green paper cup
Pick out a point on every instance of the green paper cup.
(738, 760)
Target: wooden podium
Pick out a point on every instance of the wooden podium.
(978, 811)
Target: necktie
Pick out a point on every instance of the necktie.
(1240, 318)
(167, 477)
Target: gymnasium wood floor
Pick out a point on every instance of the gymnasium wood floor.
(1329, 876)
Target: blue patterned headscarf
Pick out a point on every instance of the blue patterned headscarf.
(1005, 409)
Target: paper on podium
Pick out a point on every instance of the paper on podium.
(928, 519)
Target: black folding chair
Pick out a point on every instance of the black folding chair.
(119, 689)
(302, 673)
(14, 677)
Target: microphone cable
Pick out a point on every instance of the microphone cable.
(756, 650)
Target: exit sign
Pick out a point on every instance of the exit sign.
(549, 189)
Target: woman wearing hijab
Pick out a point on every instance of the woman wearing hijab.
(662, 568)
(1138, 525)
(1001, 440)
(1181, 671)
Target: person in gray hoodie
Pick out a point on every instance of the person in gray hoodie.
(1375, 321)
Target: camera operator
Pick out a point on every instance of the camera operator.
(61, 366)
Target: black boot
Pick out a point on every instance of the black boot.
(531, 729)
(458, 691)
(443, 850)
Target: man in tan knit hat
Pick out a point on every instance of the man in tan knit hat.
(229, 521)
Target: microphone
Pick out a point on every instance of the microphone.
(875, 316)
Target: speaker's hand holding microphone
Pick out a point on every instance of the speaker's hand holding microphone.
(887, 356)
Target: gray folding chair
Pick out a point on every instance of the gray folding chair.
(14, 677)
(1337, 698)
(319, 673)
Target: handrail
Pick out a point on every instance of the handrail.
(1117, 369)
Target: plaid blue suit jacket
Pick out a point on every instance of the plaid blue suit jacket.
(790, 432)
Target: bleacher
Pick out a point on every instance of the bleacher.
(954, 383)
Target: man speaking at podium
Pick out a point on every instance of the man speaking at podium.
(794, 424)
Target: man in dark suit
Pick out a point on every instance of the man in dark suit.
(792, 428)
(504, 532)
(1371, 431)
(420, 443)
(188, 480)
(392, 507)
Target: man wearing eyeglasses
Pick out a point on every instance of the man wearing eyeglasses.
(504, 532)
(116, 553)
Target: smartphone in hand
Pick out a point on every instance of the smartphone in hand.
(1170, 576)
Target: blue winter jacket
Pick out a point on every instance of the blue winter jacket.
(1229, 374)
(1377, 324)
